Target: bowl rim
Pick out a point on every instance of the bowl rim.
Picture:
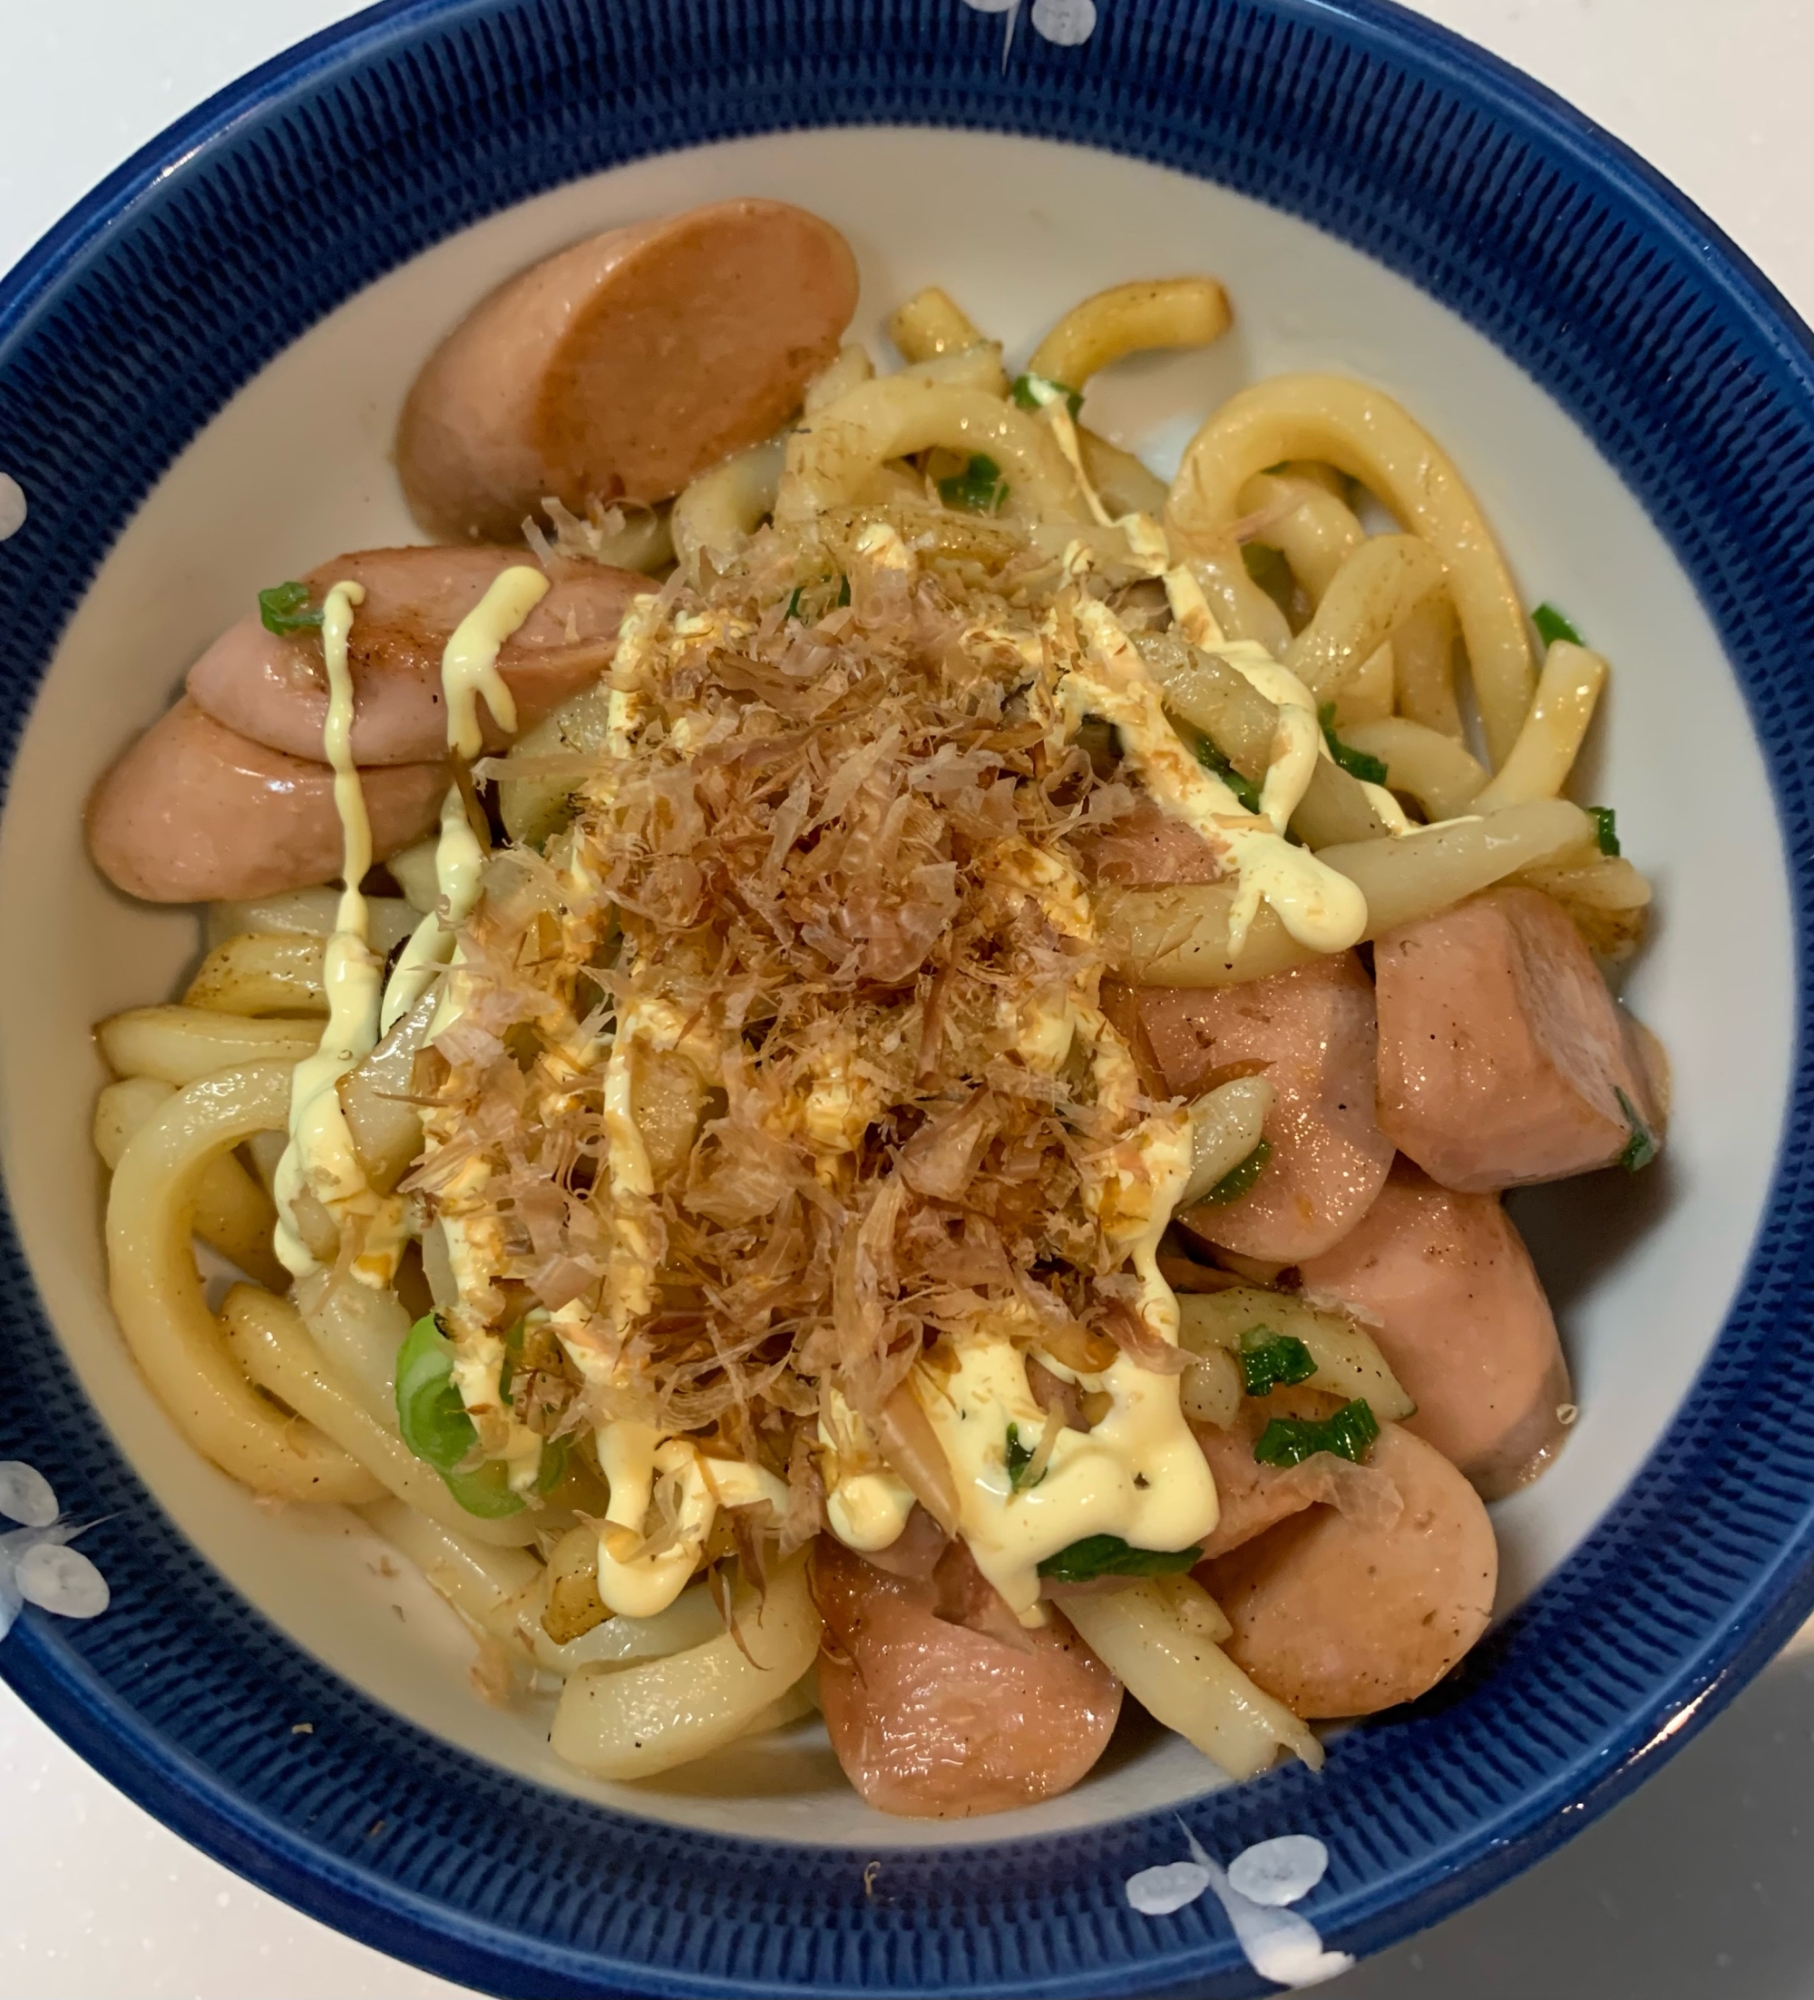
(59, 1670)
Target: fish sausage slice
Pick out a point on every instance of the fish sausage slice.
(1310, 1032)
(194, 813)
(1254, 1497)
(626, 365)
(1501, 1053)
(935, 1721)
(1334, 1618)
(1149, 848)
(274, 690)
(1453, 1300)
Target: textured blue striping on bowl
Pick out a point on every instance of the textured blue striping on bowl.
(130, 326)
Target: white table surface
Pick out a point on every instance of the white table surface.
(1697, 1886)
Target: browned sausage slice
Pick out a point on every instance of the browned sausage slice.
(935, 1721)
(625, 365)
(274, 690)
(1335, 1619)
(1501, 1053)
(1310, 1032)
(1460, 1315)
(194, 813)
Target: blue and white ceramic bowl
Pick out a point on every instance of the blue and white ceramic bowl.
(200, 372)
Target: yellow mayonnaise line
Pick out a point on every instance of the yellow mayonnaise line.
(469, 666)
(1319, 908)
(1138, 1472)
(1288, 775)
(866, 1505)
(635, 1582)
(474, 1241)
(469, 669)
(320, 1158)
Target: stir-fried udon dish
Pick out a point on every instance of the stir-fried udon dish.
(851, 1056)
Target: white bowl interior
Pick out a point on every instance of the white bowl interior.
(297, 467)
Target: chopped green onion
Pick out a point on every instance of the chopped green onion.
(1357, 763)
(433, 1420)
(793, 603)
(1020, 1456)
(978, 489)
(1641, 1148)
(1109, 1555)
(285, 608)
(430, 1412)
(1551, 626)
(1606, 828)
(1034, 392)
(798, 598)
(1238, 1180)
(844, 581)
(1273, 1360)
(1348, 1432)
(1244, 789)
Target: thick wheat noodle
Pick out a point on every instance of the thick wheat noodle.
(637, 1721)
(1316, 531)
(481, 1581)
(1423, 667)
(311, 913)
(1442, 775)
(233, 1214)
(260, 973)
(1348, 1360)
(1178, 936)
(849, 371)
(1225, 1127)
(1362, 432)
(1370, 596)
(157, 1294)
(1568, 690)
(1213, 697)
(1156, 1641)
(722, 508)
(1127, 319)
(1241, 607)
(1309, 526)
(180, 1045)
(273, 1346)
(931, 323)
(834, 460)
(1122, 483)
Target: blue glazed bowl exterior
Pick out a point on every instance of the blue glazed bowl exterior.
(127, 329)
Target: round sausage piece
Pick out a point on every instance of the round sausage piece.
(624, 366)
(274, 689)
(932, 1720)
(1310, 1033)
(1459, 1312)
(1503, 1059)
(1335, 1618)
(194, 813)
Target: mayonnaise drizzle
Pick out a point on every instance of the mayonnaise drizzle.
(469, 670)
(1319, 908)
(1137, 1472)
(320, 1158)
